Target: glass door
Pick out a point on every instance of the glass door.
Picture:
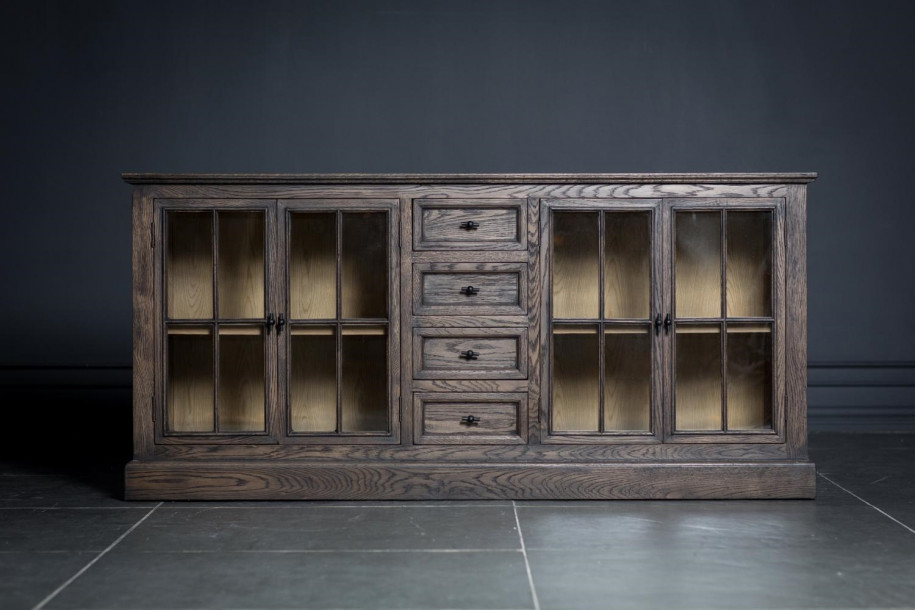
(215, 280)
(725, 327)
(339, 355)
(602, 346)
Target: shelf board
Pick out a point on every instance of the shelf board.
(330, 331)
(186, 330)
(742, 329)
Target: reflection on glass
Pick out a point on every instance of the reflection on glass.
(241, 379)
(576, 387)
(698, 264)
(241, 264)
(575, 265)
(190, 395)
(365, 265)
(313, 379)
(313, 266)
(364, 393)
(749, 264)
(749, 370)
(627, 264)
(698, 378)
(627, 384)
(189, 265)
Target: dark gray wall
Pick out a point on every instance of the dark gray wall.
(96, 88)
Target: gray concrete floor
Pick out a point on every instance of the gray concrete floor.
(66, 541)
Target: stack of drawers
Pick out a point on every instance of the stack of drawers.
(470, 321)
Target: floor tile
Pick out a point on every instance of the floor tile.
(323, 528)
(301, 580)
(44, 487)
(64, 529)
(27, 578)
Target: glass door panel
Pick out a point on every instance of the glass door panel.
(313, 379)
(627, 265)
(698, 370)
(749, 376)
(627, 378)
(189, 265)
(365, 265)
(698, 264)
(749, 264)
(364, 397)
(242, 379)
(312, 252)
(576, 267)
(190, 391)
(576, 378)
(241, 265)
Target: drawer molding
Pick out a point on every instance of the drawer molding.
(441, 224)
(440, 289)
(437, 417)
(440, 353)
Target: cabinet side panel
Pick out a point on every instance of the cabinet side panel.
(145, 323)
(796, 321)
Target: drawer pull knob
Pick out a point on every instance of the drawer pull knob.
(470, 355)
(470, 290)
(470, 225)
(470, 419)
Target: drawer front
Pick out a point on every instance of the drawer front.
(475, 224)
(470, 288)
(470, 353)
(483, 419)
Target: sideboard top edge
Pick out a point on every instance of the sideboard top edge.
(307, 179)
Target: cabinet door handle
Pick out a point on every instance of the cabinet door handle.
(470, 419)
(281, 323)
(270, 322)
(470, 355)
(470, 225)
(657, 324)
(470, 290)
(667, 324)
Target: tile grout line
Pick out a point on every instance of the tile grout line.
(527, 564)
(856, 496)
(82, 571)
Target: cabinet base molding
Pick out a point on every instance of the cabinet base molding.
(202, 480)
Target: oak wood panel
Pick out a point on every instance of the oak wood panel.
(502, 288)
(749, 376)
(469, 256)
(697, 264)
(190, 383)
(423, 481)
(627, 380)
(469, 385)
(502, 353)
(502, 418)
(189, 265)
(749, 263)
(469, 321)
(575, 399)
(536, 314)
(364, 383)
(240, 264)
(364, 265)
(312, 265)
(575, 273)
(627, 264)
(147, 310)
(502, 224)
(699, 388)
(242, 382)
(796, 321)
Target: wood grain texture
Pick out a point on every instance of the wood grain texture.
(428, 481)
(189, 265)
(364, 383)
(697, 264)
(241, 265)
(502, 418)
(698, 379)
(627, 265)
(501, 353)
(469, 321)
(535, 288)
(242, 382)
(749, 375)
(575, 399)
(627, 380)
(468, 385)
(749, 264)
(502, 224)
(575, 273)
(364, 265)
(312, 266)
(146, 247)
(190, 383)
(796, 321)
(502, 288)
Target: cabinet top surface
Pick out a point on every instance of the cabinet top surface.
(659, 178)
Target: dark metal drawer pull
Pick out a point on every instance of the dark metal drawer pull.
(280, 323)
(470, 354)
(470, 290)
(470, 419)
(270, 322)
(470, 225)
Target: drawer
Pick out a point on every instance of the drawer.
(470, 288)
(470, 353)
(470, 224)
(497, 418)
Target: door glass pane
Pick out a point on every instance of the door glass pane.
(364, 391)
(749, 370)
(576, 381)
(241, 264)
(313, 379)
(313, 266)
(575, 265)
(189, 265)
(627, 381)
(190, 385)
(698, 264)
(749, 264)
(627, 264)
(698, 381)
(241, 379)
(365, 265)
